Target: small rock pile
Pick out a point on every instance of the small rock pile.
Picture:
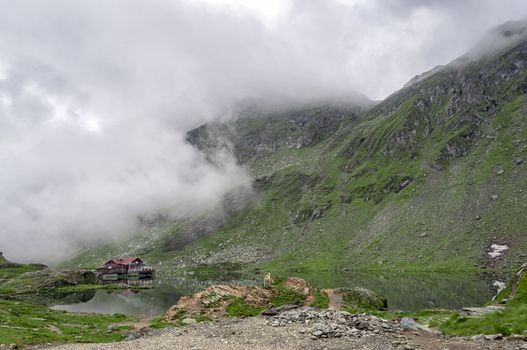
(333, 323)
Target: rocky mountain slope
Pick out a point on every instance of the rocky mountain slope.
(433, 177)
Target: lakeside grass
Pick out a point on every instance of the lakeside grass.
(23, 324)
(511, 320)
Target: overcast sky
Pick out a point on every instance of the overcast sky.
(95, 96)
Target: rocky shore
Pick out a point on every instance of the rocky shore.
(302, 328)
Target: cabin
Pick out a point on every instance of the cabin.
(125, 267)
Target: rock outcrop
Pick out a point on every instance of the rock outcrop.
(214, 301)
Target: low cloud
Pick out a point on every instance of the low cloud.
(96, 96)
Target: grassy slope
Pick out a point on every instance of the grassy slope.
(445, 219)
(512, 320)
(24, 324)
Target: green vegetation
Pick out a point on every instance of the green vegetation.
(88, 287)
(287, 296)
(360, 299)
(511, 320)
(160, 322)
(321, 299)
(8, 273)
(25, 324)
(239, 308)
(177, 320)
(432, 318)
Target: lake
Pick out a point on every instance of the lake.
(408, 292)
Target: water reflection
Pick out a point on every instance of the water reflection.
(403, 291)
(411, 292)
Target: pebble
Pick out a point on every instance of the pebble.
(333, 323)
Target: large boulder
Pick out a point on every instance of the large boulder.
(213, 300)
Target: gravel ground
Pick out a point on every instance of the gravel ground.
(260, 333)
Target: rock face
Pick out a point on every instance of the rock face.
(258, 132)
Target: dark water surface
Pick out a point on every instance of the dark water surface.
(406, 292)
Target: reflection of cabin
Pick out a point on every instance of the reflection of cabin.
(125, 266)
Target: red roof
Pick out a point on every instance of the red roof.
(122, 261)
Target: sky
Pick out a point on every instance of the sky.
(96, 96)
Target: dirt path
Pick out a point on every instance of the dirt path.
(254, 333)
(335, 300)
(137, 325)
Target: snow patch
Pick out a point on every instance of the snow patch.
(499, 286)
(497, 250)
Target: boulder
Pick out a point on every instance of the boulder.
(409, 323)
(214, 299)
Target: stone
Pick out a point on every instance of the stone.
(341, 320)
(494, 197)
(493, 336)
(142, 332)
(409, 323)
(517, 337)
(270, 312)
(317, 333)
(362, 326)
(189, 321)
(479, 311)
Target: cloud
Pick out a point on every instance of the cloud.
(96, 96)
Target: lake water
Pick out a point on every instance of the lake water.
(406, 292)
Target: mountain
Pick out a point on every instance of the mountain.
(433, 177)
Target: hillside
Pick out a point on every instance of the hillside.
(433, 177)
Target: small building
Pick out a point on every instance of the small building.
(125, 266)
